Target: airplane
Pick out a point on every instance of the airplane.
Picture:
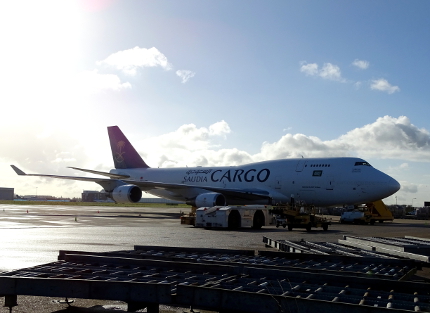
(311, 181)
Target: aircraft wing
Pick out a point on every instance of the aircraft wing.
(114, 176)
(106, 183)
(117, 180)
(247, 194)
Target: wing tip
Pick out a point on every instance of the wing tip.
(17, 170)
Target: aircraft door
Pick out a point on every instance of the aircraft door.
(278, 182)
(330, 183)
(300, 165)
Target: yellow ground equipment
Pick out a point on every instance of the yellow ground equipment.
(190, 218)
(369, 214)
(299, 217)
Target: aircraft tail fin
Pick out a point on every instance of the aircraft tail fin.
(123, 153)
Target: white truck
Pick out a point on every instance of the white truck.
(233, 217)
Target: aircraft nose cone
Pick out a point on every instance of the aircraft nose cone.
(393, 185)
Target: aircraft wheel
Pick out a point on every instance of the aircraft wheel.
(234, 220)
(284, 225)
(325, 226)
(258, 221)
(290, 227)
(308, 227)
(381, 221)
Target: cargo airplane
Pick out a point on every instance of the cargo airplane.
(311, 181)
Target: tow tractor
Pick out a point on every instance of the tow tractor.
(233, 217)
(299, 217)
(369, 214)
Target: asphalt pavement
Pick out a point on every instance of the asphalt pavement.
(34, 234)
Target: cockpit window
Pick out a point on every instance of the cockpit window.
(362, 164)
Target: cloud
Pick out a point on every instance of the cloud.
(361, 64)
(189, 144)
(310, 69)
(44, 152)
(129, 61)
(408, 187)
(383, 85)
(185, 75)
(93, 81)
(219, 129)
(328, 71)
(386, 138)
(390, 137)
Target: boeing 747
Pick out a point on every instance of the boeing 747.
(312, 181)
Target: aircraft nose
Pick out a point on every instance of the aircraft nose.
(393, 185)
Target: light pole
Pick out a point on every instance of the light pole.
(413, 201)
(36, 192)
(396, 200)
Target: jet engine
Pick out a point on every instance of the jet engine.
(126, 194)
(209, 199)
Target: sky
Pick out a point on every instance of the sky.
(212, 83)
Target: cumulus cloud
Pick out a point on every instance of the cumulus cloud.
(328, 71)
(93, 81)
(189, 145)
(310, 69)
(387, 137)
(408, 187)
(382, 84)
(395, 138)
(185, 75)
(44, 152)
(129, 61)
(361, 64)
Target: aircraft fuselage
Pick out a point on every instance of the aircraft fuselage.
(316, 181)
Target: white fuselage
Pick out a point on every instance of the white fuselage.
(317, 181)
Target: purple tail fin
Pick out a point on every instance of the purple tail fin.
(123, 153)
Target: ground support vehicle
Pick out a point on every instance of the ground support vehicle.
(233, 217)
(299, 217)
(369, 214)
(308, 221)
(190, 218)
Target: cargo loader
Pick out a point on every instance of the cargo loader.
(372, 212)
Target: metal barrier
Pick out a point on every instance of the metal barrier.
(226, 280)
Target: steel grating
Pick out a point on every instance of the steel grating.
(388, 269)
(254, 283)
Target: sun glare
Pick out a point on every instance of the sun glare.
(39, 51)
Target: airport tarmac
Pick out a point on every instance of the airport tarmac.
(33, 234)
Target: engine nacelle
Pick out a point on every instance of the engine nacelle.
(210, 199)
(126, 194)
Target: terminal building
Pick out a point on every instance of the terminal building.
(101, 196)
(6, 193)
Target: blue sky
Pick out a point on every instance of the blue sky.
(214, 83)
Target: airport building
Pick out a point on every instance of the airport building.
(93, 196)
(6, 193)
(101, 196)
